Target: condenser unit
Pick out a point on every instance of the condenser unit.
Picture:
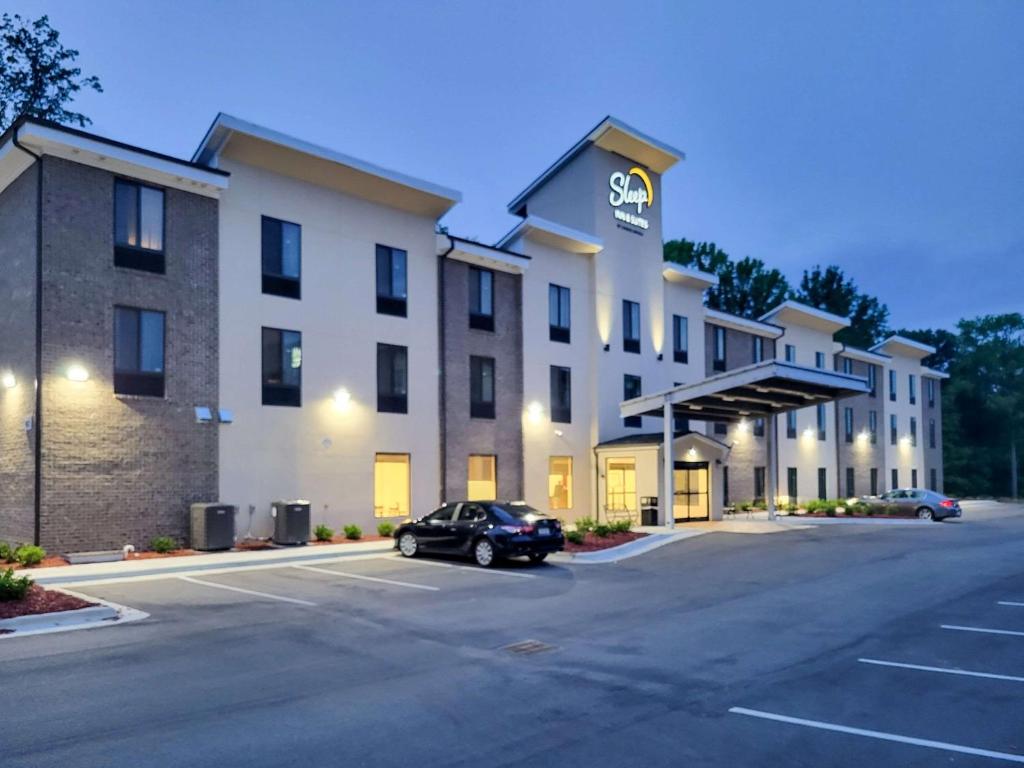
(213, 526)
(291, 522)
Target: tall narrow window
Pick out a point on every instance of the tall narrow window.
(872, 380)
(790, 353)
(560, 482)
(759, 427)
(630, 326)
(620, 485)
(138, 352)
(895, 479)
(718, 349)
(847, 366)
(282, 367)
(559, 313)
(482, 474)
(819, 359)
(892, 386)
(631, 389)
(913, 431)
(725, 486)
(930, 385)
(561, 394)
(791, 489)
(481, 299)
(913, 478)
(821, 421)
(848, 424)
(912, 388)
(680, 339)
(933, 483)
(791, 425)
(138, 227)
(874, 481)
(391, 485)
(759, 484)
(720, 428)
(281, 257)
(931, 434)
(392, 379)
(850, 491)
(758, 349)
(873, 426)
(822, 483)
(481, 387)
(392, 281)
(893, 436)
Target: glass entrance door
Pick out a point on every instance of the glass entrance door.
(690, 500)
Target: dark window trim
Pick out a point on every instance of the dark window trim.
(560, 333)
(134, 256)
(388, 304)
(388, 402)
(481, 321)
(128, 381)
(274, 283)
(289, 395)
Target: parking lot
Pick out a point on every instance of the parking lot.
(839, 645)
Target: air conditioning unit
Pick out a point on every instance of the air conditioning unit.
(291, 522)
(213, 526)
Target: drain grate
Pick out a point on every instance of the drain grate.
(528, 647)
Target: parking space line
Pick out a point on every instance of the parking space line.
(489, 571)
(881, 735)
(361, 577)
(986, 630)
(283, 599)
(945, 670)
(1010, 602)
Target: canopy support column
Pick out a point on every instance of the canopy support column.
(771, 471)
(668, 466)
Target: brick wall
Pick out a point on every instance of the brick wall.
(932, 456)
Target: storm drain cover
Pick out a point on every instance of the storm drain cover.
(528, 647)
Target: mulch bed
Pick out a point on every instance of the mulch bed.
(39, 600)
(592, 542)
(340, 539)
(157, 555)
(50, 561)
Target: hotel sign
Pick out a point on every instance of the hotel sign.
(629, 191)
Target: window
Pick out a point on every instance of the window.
(912, 388)
(282, 367)
(481, 387)
(874, 481)
(138, 227)
(913, 478)
(561, 394)
(560, 482)
(933, 479)
(850, 492)
(721, 428)
(391, 485)
(913, 431)
(282, 257)
(892, 386)
(680, 339)
(718, 355)
(930, 389)
(847, 366)
(791, 489)
(620, 485)
(873, 426)
(725, 486)
(138, 352)
(931, 433)
(758, 349)
(481, 299)
(848, 424)
(680, 424)
(892, 429)
(872, 380)
(791, 424)
(392, 379)
(631, 389)
(392, 281)
(822, 483)
(483, 478)
(819, 359)
(758, 427)
(821, 421)
(895, 480)
(559, 313)
(630, 326)
(759, 483)
(790, 353)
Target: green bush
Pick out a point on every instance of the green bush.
(29, 555)
(6, 552)
(576, 537)
(162, 544)
(622, 526)
(585, 524)
(353, 532)
(323, 533)
(602, 530)
(791, 507)
(13, 587)
(385, 529)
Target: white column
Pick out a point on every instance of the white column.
(771, 424)
(668, 465)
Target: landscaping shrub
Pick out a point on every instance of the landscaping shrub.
(385, 529)
(585, 524)
(29, 555)
(744, 506)
(791, 507)
(323, 533)
(13, 587)
(622, 526)
(603, 530)
(576, 537)
(353, 532)
(162, 544)
(6, 552)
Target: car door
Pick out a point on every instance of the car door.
(467, 522)
(437, 530)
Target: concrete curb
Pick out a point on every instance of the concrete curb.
(105, 614)
(805, 521)
(625, 551)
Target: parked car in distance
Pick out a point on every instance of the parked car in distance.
(483, 530)
(915, 502)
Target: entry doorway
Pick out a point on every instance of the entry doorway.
(691, 500)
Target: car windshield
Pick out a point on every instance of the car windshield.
(513, 512)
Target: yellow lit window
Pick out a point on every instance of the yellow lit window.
(620, 485)
(483, 478)
(560, 482)
(391, 485)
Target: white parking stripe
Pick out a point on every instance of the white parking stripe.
(945, 670)
(883, 736)
(1010, 602)
(986, 630)
(359, 576)
(192, 580)
(474, 569)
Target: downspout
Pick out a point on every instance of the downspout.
(37, 422)
(442, 371)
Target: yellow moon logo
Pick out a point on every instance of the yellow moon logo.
(637, 171)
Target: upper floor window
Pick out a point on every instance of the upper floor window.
(819, 359)
(873, 426)
(392, 281)
(559, 313)
(790, 353)
(631, 389)
(848, 424)
(821, 421)
(848, 366)
(718, 349)
(138, 352)
(913, 431)
(892, 386)
(680, 339)
(893, 429)
(282, 367)
(481, 387)
(392, 379)
(138, 226)
(282, 257)
(758, 427)
(630, 326)
(931, 433)
(791, 424)
(912, 388)
(481, 299)
(930, 389)
(758, 349)
(561, 394)
(872, 380)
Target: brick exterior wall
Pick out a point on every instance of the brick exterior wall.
(463, 436)
(861, 454)
(932, 456)
(120, 469)
(17, 356)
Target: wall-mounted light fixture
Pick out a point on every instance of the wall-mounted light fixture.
(808, 433)
(661, 356)
(8, 381)
(225, 416)
(77, 372)
(203, 415)
(342, 398)
(559, 433)
(607, 347)
(535, 411)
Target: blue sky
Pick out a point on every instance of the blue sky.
(885, 137)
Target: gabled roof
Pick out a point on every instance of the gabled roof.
(554, 235)
(901, 345)
(802, 314)
(615, 136)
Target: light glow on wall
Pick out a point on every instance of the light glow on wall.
(535, 412)
(342, 399)
(8, 381)
(77, 372)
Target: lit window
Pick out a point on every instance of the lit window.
(620, 485)
(282, 367)
(138, 352)
(138, 227)
(391, 485)
(483, 478)
(392, 281)
(282, 257)
(560, 482)
(559, 313)
(481, 299)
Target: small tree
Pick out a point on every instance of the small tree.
(37, 73)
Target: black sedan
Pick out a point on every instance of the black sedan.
(484, 530)
(916, 502)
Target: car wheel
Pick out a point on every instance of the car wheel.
(924, 513)
(538, 557)
(483, 553)
(408, 545)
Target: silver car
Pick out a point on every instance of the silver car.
(915, 502)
